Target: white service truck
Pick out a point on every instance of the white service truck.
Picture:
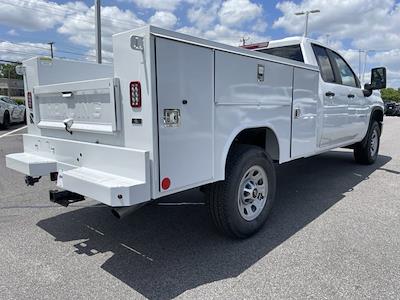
(176, 112)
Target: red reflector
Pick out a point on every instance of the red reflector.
(136, 94)
(29, 96)
(166, 183)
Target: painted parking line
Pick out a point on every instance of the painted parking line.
(12, 131)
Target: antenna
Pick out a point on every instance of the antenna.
(243, 40)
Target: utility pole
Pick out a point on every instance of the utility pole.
(51, 49)
(307, 13)
(97, 6)
(9, 83)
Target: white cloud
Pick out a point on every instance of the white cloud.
(203, 16)
(237, 12)
(390, 59)
(21, 51)
(362, 24)
(158, 4)
(223, 21)
(369, 23)
(79, 28)
(12, 32)
(223, 34)
(216, 20)
(259, 26)
(164, 19)
(30, 15)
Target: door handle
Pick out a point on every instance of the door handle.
(297, 113)
(350, 96)
(329, 94)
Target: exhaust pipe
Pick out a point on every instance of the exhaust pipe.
(122, 212)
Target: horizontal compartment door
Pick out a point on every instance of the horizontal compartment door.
(89, 106)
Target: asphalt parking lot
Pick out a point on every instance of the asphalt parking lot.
(334, 232)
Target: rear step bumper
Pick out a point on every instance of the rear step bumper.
(115, 176)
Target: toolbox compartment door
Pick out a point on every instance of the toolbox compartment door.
(304, 113)
(90, 105)
(184, 92)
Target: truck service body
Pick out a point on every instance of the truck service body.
(171, 110)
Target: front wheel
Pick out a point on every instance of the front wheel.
(366, 152)
(240, 204)
(6, 120)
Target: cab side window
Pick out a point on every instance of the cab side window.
(289, 52)
(324, 63)
(347, 76)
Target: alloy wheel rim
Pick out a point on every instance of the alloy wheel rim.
(253, 192)
(374, 142)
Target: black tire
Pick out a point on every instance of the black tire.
(224, 199)
(6, 120)
(366, 152)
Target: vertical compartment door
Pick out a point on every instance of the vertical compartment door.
(185, 113)
(304, 114)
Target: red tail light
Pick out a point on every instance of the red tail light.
(29, 97)
(136, 94)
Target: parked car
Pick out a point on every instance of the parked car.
(390, 108)
(397, 110)
(176, 112)
(11, 112)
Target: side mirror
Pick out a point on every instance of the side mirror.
(20, 69)
(378, 78)
(378, 81)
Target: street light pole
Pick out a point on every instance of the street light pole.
(97, 6)
(307, 13)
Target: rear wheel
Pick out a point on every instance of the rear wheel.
(240, 204)
(366, 152)
(6, 120)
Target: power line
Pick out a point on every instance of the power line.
(10, 61)
(62, 12)
(37, 54)
(47, 49)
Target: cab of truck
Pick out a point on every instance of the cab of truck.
(347, 105)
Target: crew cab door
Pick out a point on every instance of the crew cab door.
(335, 102)
(350, 85)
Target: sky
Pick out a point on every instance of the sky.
(372, 26)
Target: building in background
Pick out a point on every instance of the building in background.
(11, 87)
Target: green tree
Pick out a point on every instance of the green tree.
(390, 94)
(8, 71)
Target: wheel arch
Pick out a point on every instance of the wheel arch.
(377, 115)
(261, 136)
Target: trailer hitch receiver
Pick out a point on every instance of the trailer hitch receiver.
(30, 181)
(65, 198)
